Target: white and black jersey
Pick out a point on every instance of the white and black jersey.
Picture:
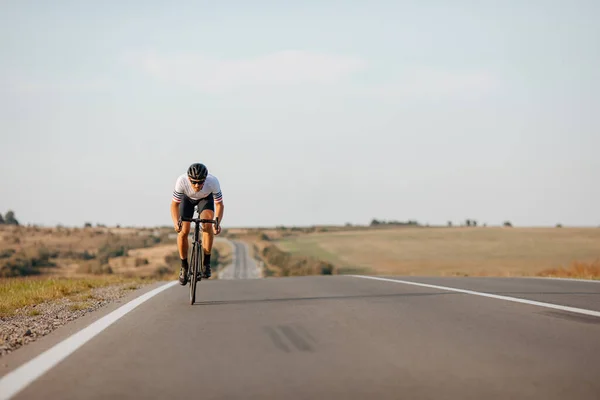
(184, 187)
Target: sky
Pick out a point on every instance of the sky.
(308, 113)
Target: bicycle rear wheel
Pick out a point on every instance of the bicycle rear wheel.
(194, 273)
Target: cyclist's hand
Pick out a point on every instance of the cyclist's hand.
(217, 229)
(177, 227)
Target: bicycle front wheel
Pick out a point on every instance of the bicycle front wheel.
(194, 273)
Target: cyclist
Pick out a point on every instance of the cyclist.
(201, 189)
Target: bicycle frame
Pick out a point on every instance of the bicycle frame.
(196, 269)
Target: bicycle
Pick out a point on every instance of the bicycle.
(196, 262)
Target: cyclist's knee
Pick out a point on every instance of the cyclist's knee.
(185, 229)
(207, 214)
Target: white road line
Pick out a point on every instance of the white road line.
(562, 279)
(15, 381)
(493, 296)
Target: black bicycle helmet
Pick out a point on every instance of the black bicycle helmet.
(197, 171)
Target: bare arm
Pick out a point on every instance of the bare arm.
(219, 207)
(175, 215)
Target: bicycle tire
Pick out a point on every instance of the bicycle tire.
(194, 275)
(201, 266)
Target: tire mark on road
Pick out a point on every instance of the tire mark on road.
(296, 339)
(276, 339)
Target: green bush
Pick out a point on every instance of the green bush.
(109, 250)
(264, 236)
(85, 255)
(118, 246)
(94, 267)
(7, 253)
(295, 265)
(44, 254)
(24, 264)
(18, 267)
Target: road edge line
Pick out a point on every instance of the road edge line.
(18, 379)
(493, 296)
(560, 279)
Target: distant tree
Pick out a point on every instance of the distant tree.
(1, 219)
(507, 223)
(10, 218)
(87, 225)
(264, 236)
(468, 222)
(375, 222)
(450, 223)
(474, 223)
(559, 225)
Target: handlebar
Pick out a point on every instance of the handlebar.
(201, 220)
(206, 221)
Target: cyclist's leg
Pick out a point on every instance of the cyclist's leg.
(206, 209)
(186, 211)
(182, 240)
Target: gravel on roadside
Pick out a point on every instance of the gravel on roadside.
(32, 322)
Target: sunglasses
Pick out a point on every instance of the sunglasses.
(197, 182)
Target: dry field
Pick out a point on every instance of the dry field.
(69, 251)
(481, 251)
(79, 252)
(145, 261)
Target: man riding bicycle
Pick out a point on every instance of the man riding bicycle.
(201, 189)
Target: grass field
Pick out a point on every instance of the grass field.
(465, 251)
(16, 293)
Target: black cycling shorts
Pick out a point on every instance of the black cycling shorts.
(186, 207)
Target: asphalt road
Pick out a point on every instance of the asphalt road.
(342, 337)
(243, 266)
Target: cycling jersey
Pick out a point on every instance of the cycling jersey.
(184, 187)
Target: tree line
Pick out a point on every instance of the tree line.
(468, 222)
(8, 218)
